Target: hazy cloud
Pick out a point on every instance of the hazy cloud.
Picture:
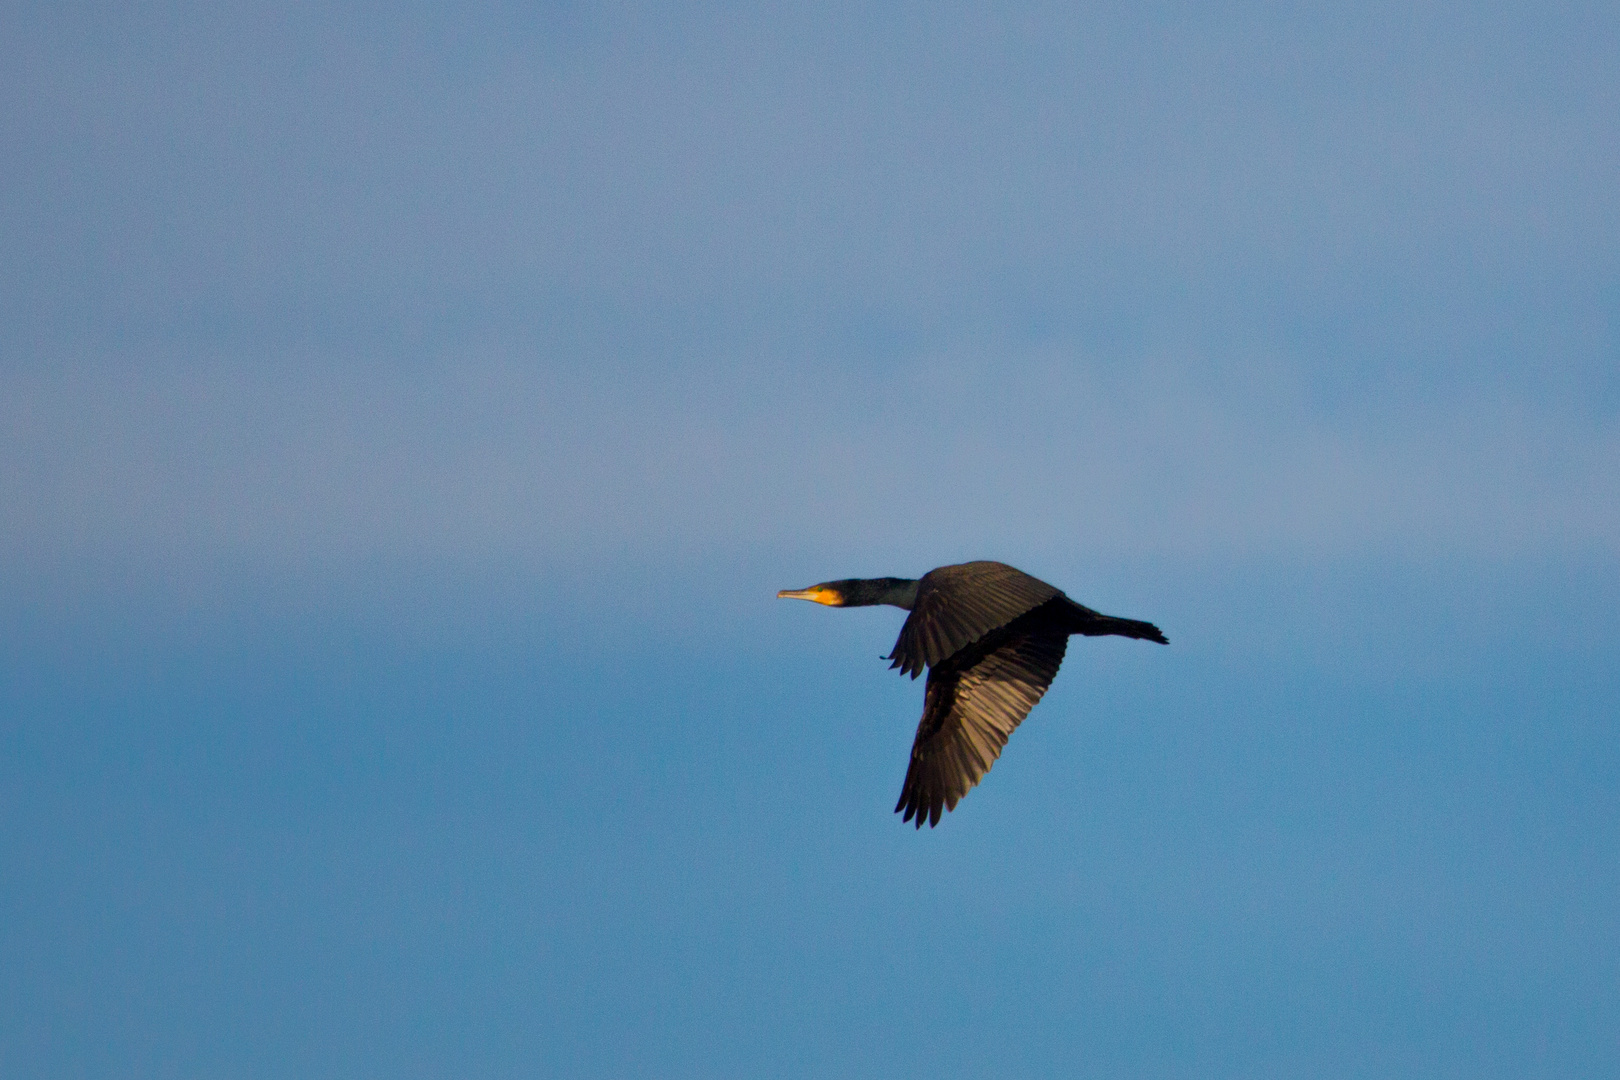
(168, 473)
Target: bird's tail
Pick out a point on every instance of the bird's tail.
(1099, 625)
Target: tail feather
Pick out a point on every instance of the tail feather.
(1131, 628)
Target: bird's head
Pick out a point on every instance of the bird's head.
(858, 592)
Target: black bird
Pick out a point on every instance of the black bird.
(992, 638)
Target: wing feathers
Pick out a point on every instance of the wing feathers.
(958, 605)
(969, 710)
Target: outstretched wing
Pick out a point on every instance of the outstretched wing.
(968, 712)
(958, 605)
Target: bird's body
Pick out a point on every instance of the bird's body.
(991, 638)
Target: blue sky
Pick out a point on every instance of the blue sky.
(408, 415)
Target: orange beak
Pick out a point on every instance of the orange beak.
(818, 593)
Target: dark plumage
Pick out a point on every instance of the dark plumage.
(992, 639)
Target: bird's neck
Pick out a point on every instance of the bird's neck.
(896, 592)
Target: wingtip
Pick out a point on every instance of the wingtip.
(913, 812)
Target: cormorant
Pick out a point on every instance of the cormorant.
(992, 638)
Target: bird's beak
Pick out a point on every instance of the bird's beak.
(819, 593)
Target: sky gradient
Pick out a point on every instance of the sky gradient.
(408, 415)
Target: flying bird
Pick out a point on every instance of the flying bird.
(992, 638)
